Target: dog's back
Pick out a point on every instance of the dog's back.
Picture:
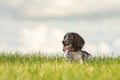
(85, 55)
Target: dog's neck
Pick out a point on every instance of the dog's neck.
(71, 50)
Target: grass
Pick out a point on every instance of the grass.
(38, 67)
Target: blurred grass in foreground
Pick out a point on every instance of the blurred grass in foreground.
(38, 67)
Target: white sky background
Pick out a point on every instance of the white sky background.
(39, 25)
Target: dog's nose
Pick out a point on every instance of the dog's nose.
(63, 42)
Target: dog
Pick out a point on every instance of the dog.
(73, 44)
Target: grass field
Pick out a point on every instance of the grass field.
(37, 67)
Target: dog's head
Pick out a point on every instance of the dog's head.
(73, 41)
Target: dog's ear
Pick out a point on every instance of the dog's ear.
(78, 42)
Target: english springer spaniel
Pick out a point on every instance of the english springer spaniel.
(73, 43)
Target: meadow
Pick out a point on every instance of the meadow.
(38, 67)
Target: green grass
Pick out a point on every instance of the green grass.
(37, 67)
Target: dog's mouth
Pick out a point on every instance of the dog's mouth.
(66, 47)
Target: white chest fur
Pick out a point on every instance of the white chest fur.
(74, 56)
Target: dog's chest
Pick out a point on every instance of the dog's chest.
(77, 56)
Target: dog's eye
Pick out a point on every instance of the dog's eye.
(69, 35)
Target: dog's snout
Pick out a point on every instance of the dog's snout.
(63, 42)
